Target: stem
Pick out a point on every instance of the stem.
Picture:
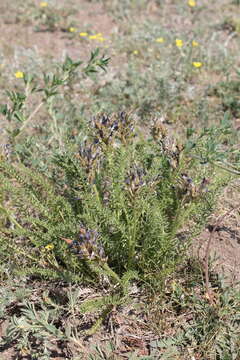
(10, 217)
(96, 193)
(97, 268)
(23, 252)
(132, 238)
(55, 128)
(232, 171)
(31, 116)
(111, 273)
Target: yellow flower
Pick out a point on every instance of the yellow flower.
(83, 34)
(135, 52)
(43, 4)
(19, 74)
(197, 64)
(179, 43)
(97, 37)
(195, 43)
(160, 40)
(72, 29)
(93, 37)
(191, 3)
(49, 247)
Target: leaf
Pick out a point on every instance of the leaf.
(4, 109)
(19, 116)
(15, 132)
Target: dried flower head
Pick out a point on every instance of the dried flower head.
(158, 130)
(126, 126)
(169, 146)
(172, 149)
(106, 191)
(89, 156)
(87, 245)
(5, 152)
(107, 128)
(191, 191)
(135, 180)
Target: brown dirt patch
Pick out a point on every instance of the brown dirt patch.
(56, 44)
(225, 244)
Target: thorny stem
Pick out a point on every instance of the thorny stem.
(211, 236)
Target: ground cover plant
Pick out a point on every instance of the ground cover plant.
(113, 162)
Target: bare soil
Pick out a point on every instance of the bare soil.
(56, 44)
(225, 243)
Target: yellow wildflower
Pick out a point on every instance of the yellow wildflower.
(93, 37)
(179, 43)
(49, 247)
(191, 3)
(135, 52)
(83, 34)
(195, 43)
(43, 4)
(160, 40)
(19, 74)
(97, 37)
(101, 39)
(72, 29)
(197, 64)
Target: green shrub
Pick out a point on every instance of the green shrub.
(116, 201)
(121, 200)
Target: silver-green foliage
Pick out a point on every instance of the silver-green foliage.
(133, 195)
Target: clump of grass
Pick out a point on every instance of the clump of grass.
(203, 326)
(227, 91)
(44, 16)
